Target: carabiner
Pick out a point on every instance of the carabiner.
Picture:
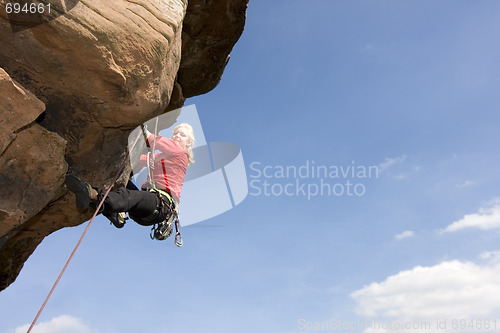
(178, 241)
(152, 233)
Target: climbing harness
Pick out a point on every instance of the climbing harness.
(170, 215)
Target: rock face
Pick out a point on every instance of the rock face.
(74, 87)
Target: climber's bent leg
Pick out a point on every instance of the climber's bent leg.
(137, 203)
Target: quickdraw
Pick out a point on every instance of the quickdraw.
(178, 237)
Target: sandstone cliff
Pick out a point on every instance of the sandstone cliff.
(74, 85)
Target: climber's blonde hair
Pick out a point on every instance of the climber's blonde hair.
(190, 133)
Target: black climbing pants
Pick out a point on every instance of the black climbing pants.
(137, 203)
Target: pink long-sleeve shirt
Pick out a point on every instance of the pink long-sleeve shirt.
(170, 165)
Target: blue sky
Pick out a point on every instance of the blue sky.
(408, 86)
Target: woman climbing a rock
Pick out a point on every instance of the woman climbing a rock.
(158, 199)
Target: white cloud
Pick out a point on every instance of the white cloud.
(61, 324)
(466, 183)
(388, 162)
(491, 256)
(449, 290)
(405, 234)
(487, 218)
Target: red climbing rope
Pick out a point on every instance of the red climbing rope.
(83, 235)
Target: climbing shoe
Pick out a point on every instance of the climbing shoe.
(163, 230)
(118, 219)
(81, 189)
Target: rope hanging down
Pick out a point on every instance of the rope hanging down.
(122, 166)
